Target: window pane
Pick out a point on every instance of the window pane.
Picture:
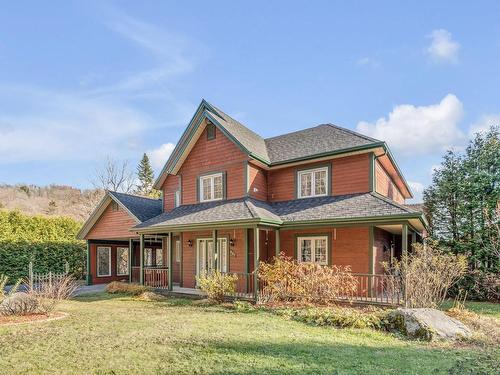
(206, 189)
(177, 251)
(320, 182)
(122, 261)
(320, 251)
(218, 187)
(148, 257)
(305, 184)
(103, 263)
(305, 247)
(177, 198)
(159, 257)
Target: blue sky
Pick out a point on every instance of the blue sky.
(80, 81)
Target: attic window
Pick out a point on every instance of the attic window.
(115, 207)
(210, 131)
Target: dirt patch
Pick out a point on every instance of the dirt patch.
(30, 318)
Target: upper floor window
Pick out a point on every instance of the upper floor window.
(177, 198)
(115, 206)
(313, 249)
(312, 183)
(211, 187)
(210, 132)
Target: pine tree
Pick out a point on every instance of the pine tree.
(146, 177)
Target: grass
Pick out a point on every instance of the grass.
(115, 334)
(481, 308)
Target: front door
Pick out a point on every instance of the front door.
(208, 259)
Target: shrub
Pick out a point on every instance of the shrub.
(50, 293)
(47, 242)
(427, 273)
(217, 285)
(243, 306)
(480, 285)
(19, 303)
(339, 317)
(127, 288)
(287, 280)
(150, 297)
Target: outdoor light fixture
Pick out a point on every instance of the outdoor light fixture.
(190, 243)
(231, 242)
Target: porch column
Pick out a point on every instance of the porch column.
(169, 260)
(247, 260)
(141, 259)
(371, 261)
(216, 250)
(130, 256)
(256, 246)
(89, 275)
(404, 249)
(413, 237)
(278, 244)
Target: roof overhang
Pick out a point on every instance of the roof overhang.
(98, 211)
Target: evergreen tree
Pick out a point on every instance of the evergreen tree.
(146, 177)
(464, 196)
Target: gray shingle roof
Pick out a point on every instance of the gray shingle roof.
(210, 212)
(300, 144)
(250, 140)
(308, 142)
(324, 208)
(142, 208)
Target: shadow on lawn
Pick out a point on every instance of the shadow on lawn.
(338, 358)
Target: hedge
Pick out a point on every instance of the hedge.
(48, 242)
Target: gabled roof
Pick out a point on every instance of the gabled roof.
(322, 140)
(139, 208)
(362, 207)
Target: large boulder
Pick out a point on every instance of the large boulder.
(428, 324)
(18, 303)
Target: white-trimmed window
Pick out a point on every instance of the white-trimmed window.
(313, 249)
(312, 183)
(178, 251)
(211, 187)
(177, 198)
(148, 257)
(103, 261)
(122, 261)
(159, 257)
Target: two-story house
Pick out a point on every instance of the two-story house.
(232, 199)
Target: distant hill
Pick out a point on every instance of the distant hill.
(53, 200)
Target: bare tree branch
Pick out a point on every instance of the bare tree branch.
(115, 176)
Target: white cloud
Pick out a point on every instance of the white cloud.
(159, 156)
(413, 130)
(443, 48)
(483, 124)
(417, 189)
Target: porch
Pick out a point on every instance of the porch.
(238, 251)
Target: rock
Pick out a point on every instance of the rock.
(18, 303)
(428, 324)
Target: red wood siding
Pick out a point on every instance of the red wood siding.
(385, 185)
(176, 266)
(351, 174)
(112, 224)
(170, 186)
(219, 154)
(348, 247)
(257, 182)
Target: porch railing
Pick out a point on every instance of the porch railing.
(244, 285)
(370, 289)
(156, 277)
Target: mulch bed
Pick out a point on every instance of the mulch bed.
(30, 318)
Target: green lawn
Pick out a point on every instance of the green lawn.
(107, 334)
(482, 308)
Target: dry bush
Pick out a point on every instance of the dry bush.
(127, 288)
(217, 285)
(19, 303)
(285, 280)
(49, 293)
(486, 330)
(426, 274)
(151, 297)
